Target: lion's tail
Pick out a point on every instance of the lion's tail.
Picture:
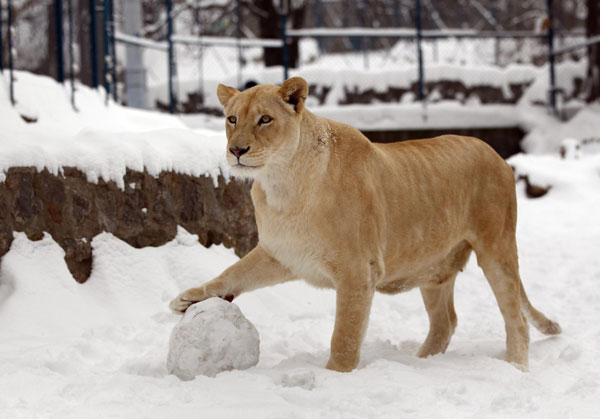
(537, 318)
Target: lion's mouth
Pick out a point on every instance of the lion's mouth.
(242, 170)
(246, 166)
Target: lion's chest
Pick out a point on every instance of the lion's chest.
(292, 240)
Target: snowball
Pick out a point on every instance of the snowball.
(212, 336)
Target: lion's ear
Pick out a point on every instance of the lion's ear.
(294, 92)
(224, 93)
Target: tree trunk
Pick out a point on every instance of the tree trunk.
(593, 29)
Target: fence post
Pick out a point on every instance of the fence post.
(419, 49)
(200, 55)
(365, 42)
(106, 50)
(497, 27)
(71, 60)
(60, 55)
(551, 57)
(11, 32)
(319, 22)
(171, 63)
(113, 50)
(1, 42)
(135, 72)
(284, 47)
(93, 43)
(238, 35)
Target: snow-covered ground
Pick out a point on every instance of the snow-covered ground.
(99, 349)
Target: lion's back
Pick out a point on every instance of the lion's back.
(445, 185)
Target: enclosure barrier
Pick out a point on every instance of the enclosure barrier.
(408, 34)
(417, 35)
(593, 42)
(204, 41)
(11, 50)
(110, 37)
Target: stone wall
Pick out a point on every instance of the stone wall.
(434, 91)
(146, 213)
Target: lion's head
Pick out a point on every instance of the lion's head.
(263, 124)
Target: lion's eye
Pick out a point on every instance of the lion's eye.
(232, 119)
(265, 119)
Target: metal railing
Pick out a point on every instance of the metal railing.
(111, 37)
(11, 50)
(418, 35)
(553, 90)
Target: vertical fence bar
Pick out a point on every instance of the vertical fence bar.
(318, 14)
(134, 70)
(592, 28)
(106, 50)
(200, 54)
(284, 47)
(1, 42)
(238, 35)
(93, 43)
(319, 22)
(419, 49)
(171, 57)
(60, 54)
(71, 58)
(113, 50)
(397, 13)
(364, 41)
(551, 57)
(496, 28)
(11, 52)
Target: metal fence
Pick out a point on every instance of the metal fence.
(362, 40)
(10, 30)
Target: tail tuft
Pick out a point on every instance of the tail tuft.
(537, 318)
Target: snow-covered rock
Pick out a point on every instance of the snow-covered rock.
(213, 336)
(570, 149)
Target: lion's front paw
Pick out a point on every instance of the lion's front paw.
(179, 305)
(184, 300)
(342, 364)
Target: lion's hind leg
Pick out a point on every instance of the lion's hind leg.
(439, 302)
(502, 272)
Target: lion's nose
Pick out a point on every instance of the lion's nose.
(238, 151)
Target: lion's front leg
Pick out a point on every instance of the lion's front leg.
(257, 269)
(353, 305)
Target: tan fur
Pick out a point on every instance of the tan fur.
(341, 212)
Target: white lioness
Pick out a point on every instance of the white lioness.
(341, 212)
